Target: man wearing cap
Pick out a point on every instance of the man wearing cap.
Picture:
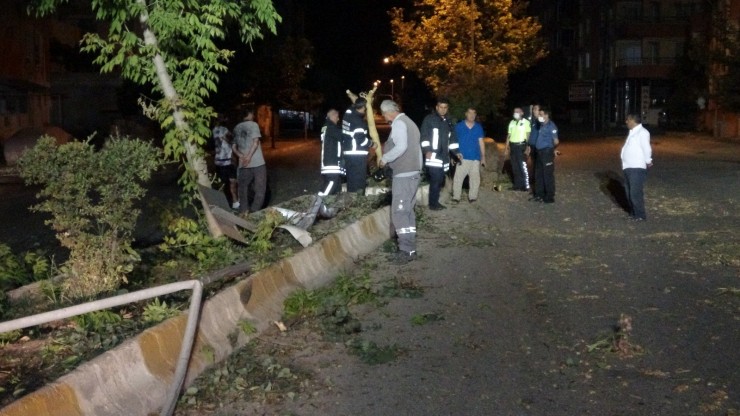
(355, 146)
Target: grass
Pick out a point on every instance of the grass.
(61, 347)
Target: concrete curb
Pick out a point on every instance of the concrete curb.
(133, 378)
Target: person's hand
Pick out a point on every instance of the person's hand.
(650, 165)
(428, 155)
(381, 163)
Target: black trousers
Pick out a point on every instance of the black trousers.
(519, 166)
(436, 182)
(545, 174)
(356, 166)
(332, 183)
(634, 183)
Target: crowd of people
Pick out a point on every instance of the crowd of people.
(432, 148)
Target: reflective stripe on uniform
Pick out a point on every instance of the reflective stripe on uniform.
(328, 170)
(406, 230)
(325, 192)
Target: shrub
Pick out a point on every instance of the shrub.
(189, 238)
(18, 270)
(90, 195)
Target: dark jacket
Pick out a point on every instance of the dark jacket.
(438, 138)
(535, 124)
(331, 149)
(354, 129)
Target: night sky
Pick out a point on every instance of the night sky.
(350, 40)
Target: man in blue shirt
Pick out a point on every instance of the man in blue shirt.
(544, 172)
(470, 139)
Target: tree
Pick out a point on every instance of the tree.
(726, 61)
(466, 49)
(173, 48)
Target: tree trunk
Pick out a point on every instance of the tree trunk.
(196, 162)
(371, 128)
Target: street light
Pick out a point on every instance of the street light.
(403, 78)
(386, 60)
(392, 90)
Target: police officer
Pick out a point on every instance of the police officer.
(516, 147)
(547, 141)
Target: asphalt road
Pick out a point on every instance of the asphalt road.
(525, 292)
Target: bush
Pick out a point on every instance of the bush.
(189, 238)
(90, 195)
(18, 270)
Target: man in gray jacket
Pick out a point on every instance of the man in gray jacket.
(402, 153)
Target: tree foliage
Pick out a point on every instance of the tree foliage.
(187, 35)
(466, 49)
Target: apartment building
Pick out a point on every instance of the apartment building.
(25, 100)
(624, 56)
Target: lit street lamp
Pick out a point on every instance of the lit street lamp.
(392, 90)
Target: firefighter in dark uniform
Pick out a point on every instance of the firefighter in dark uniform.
(355, 146)
(331, 154)
(438, 140)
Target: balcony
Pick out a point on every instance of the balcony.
(654, 26)
(644, 67)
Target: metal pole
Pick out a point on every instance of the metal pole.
(187, 343)
(185, 350)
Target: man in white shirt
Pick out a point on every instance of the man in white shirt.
(636, 159)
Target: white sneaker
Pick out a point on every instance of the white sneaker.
(235, 205)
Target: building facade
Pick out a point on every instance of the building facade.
(25, 98)
(627, 56)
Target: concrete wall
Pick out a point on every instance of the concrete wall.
(133, 378)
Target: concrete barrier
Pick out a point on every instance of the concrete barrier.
(132, 379)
